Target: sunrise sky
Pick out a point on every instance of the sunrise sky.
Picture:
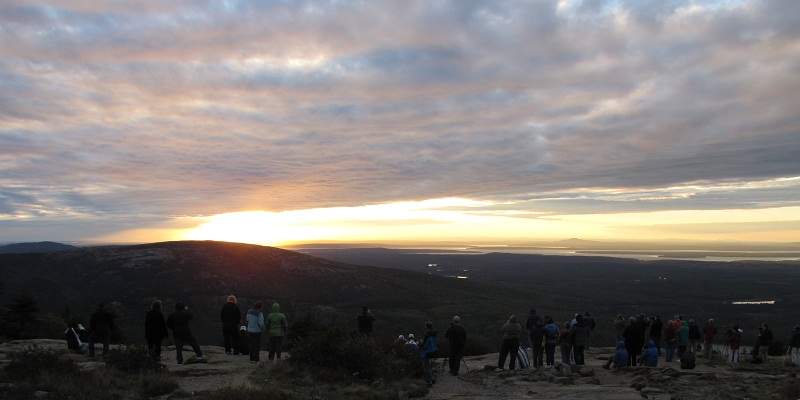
(280, 122)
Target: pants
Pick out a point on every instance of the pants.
(707, 345)
(566, 354)
(577, 351)
(456, 353)
(154, 349)
(103, 338)
(633, 355)
(180, 342)
(657, 341)
(509, 347)
(275, 343)
(427, 370)
(538, 351)
(670, 351)
(550, 353)
(254, 343)
(735, 355)
(230, 336)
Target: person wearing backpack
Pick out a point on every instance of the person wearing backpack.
(511, 331)
(256, 325)
(551, 334)
(277, 326)
(457, 337)
(535, 326)
(427, 351)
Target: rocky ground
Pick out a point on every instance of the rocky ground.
(480, 380)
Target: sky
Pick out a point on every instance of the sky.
(479, 121)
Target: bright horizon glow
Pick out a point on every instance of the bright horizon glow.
(460, 219)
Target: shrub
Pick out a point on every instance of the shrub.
(33, 361)
(132, 359)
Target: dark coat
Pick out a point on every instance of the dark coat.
(101, 323)
(231, 317)
(155, 329)
(535, 327)
(178, 322)
(365, 322)
(795, 342)
(457, 336)
(655, 328)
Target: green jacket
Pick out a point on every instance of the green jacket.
(277, 324)
(683, 334)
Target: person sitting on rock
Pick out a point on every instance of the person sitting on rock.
(649, 357)
(74, 342)
(620, 357)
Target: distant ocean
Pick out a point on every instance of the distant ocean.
(693, 255)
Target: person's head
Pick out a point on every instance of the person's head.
(456, 320)
(691, 322)
(764, 325)
(232, 299)
(797, 328)
(401, 339)
(621, 344)
(156, 306)
(512, 319)
(411, 337)
(632, 319)
(101, 306)
(180, 306)
(364, 310)
(548, 319)
(619, 316)
(428, 325)
(259, 305)
(579, 319)
(711, 321)
(587, 314)
(276, 307)
(533, 311)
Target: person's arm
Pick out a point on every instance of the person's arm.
(284, 325)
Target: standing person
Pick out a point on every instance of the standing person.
(632, 343)
(535, 326)
(580, 338)
(764, 341)
(794, 345)
(709, 332)
(619, 327)
(155, 330)
(427, 351)
(551, 334)
(565, 342)
(277, 326)
(178, 322)
(694, 335)
(255, 327)
(671, 337)
(591, 324)
(101, 324)
(457, 337)
(656, 326)
(734, 342)
(511, 332)
(365, 321)
(231, 317)
(683, 338)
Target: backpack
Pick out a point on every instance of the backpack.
(688, 360)
(522, 356)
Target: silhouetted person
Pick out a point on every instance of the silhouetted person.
(427, 350)
(535, 326)
(683, 338)
(365, 321)
(231, 317)
(457, 336)
(695, 336)
(178, 322)
(619, 327)
(633, 342)
(794, 345)
(551, 333)
(709, 332)
(155, 330)
(511, 331)
(671, 337)
(764, 341)
(101, 324)
(74, 342)
(580, 333)
(656, 327)
(735, 342)
(565, 342)
(277, 326)
(256, 325)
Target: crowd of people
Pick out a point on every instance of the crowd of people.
(640, 340)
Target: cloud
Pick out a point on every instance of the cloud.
(151, 110)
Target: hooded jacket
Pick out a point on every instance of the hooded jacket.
(277, 325)
(155, 329)
(683, 334)
(650, 354)
(621, 355)
(255, 321)
(179, 323)
(551, 333)
(457, 336)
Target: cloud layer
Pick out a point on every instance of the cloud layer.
(135, 113)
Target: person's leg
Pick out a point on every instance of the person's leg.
(157, 350)
(106, 343)
(255, 346)
(179, 350)
(550, 349)
(427, 370)
(197, 351)
(279, 348)
(91, 345)
(501, 359)
(513, 354)
(578, 350)
(227, 340)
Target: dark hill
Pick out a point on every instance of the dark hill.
(201, 274)
(35, 247)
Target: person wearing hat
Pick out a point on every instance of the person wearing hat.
(457, 336)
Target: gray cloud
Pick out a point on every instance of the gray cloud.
(192, 107)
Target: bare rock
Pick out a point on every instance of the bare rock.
(40, 394)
